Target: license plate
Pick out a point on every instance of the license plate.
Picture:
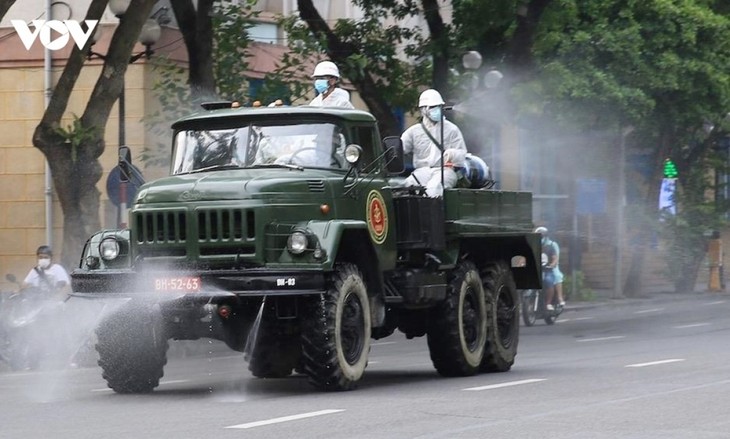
(181, 283)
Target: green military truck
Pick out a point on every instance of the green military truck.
(287, 234)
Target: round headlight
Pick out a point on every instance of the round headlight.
(109, 249)
(297, 243)
(352, 154)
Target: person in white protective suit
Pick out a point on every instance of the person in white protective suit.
(326, 77)
(423, 140)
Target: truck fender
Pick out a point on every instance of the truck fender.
(348, 241)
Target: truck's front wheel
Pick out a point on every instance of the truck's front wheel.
(336, 337)
(503, 322)
(457, 332)
(132, 348)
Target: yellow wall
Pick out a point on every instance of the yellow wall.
(22, 166)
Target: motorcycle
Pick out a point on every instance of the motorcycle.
(534, 306)
(28, 326)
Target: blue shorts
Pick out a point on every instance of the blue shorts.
(552, 277)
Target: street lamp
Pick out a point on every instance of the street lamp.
(149, 35)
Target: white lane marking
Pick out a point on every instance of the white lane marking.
(654, 363)
(644, 311)
(383, 343)
(577, 319)
(227, 357)
(162, 383)
(694, 325)
(718, 302)
(285, 419)
(613, 337)
(507, 384)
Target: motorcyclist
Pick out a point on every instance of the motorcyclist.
(552, 277)
(46, 276)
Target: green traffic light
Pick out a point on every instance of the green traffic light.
(670, 169)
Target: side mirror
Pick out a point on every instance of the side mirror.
(125, 159)
(394, 162)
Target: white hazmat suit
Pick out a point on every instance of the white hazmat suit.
(427, 155)
(338, 98)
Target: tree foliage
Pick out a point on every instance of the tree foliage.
(660, 66)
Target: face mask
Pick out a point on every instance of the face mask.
(44, 262)
(321, 85)
(435, 114)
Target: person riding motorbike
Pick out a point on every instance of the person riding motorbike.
(552, 277)
(33, 322)
(48, 278)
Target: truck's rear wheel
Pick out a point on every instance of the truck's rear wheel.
(336, 336)
(457, 332)
(503, 322)
(132, 348)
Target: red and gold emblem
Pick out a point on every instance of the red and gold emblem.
(377, 216)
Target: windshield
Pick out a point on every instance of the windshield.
(318, 145)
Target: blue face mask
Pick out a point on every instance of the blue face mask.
(321, 85)
(435, 114)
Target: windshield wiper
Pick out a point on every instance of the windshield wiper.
(277, 165)
(215, 168)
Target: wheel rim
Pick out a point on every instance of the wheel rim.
(505, 316)
(470, 319)
(353, 329)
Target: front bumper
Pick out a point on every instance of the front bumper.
(252, 282)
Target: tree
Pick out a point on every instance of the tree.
(659, 66)
(73, 153)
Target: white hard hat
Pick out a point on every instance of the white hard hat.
(430, 98)
(326, 68)
(541, 230)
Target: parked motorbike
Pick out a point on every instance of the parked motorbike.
(534, 306)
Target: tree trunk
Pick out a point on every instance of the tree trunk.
(338, 53)
(74, 164)
(440, 45)
(4, 6)
(197, 30)
(519, 57)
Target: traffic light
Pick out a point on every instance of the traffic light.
(670, 169)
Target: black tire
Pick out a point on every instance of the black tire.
(457, 331)
(529, 313)
(550, 317)
(336, 335)
(503, 322)
(132, 347)
(275, 355)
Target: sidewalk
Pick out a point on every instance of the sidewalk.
(604, 297)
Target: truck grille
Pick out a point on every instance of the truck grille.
(217, 234)
(160, 227)
(225, 225)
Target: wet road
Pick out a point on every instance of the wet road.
(645, 369)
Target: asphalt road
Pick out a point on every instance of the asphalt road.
(656, 368)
